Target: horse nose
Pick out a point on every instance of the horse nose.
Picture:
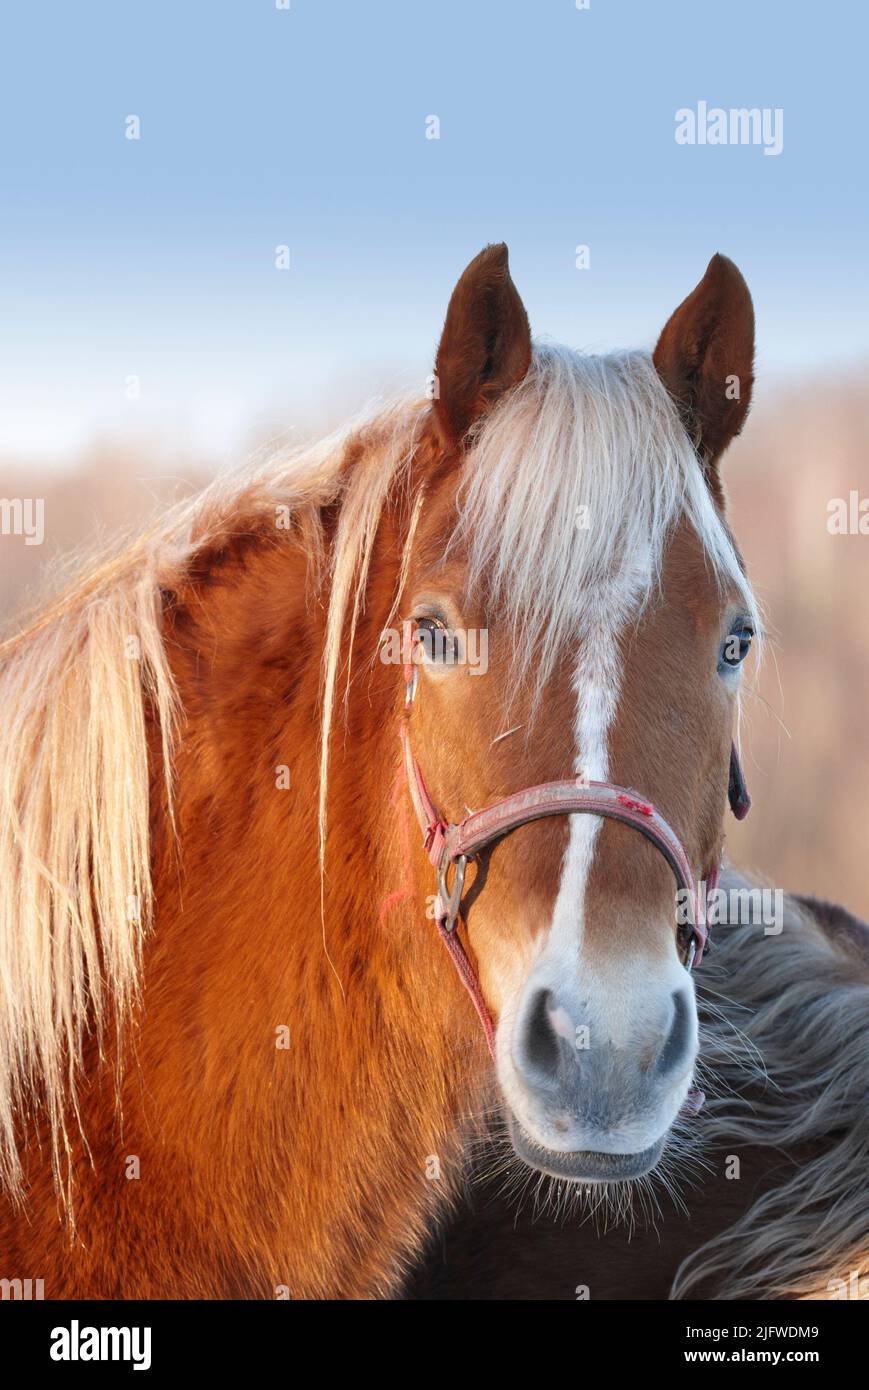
(537, 1044)
(551, 1046)
(677, 1043)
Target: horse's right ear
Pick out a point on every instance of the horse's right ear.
(485, 347)
(705, 358)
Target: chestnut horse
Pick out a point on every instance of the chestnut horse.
(235, 1059)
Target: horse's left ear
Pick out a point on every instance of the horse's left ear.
(705, 358)
(485, 347)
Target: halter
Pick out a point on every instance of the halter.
(452, 845)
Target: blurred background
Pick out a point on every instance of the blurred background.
(276, 245)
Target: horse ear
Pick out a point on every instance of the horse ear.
(705, 358)
(485, 347)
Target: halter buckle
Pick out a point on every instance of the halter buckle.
(450, 899)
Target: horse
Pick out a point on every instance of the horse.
(764, 1195)
(236, 1059)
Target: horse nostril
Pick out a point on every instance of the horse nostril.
(679, 1036)
(540, 1045)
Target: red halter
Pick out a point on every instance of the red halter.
(454, 844)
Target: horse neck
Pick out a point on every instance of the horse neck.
(343, 1038)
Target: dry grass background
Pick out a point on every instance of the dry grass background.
(805, 729)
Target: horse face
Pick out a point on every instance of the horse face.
(573, 920)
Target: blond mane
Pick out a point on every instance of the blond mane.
(78, 686)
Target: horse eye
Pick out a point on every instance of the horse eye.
(437, 642)
(736, 645)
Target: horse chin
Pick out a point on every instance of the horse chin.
(583, 1165)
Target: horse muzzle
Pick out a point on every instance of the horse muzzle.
(594, 1077)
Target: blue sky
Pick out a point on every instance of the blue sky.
(306, 127)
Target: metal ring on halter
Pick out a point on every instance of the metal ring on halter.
(451, 899)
